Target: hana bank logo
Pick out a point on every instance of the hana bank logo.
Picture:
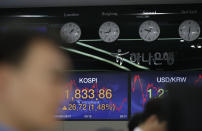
(118, 55)
(155, 58)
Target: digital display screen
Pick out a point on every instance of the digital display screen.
(95, 96)
(148, 85)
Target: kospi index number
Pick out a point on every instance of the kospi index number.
(85, 94)
(98, 95)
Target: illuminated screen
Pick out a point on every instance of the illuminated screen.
(95, 96)
(148, 85)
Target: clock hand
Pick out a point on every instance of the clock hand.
(71, 31)
(147, 34)
(147, 30)
(108, 31)
(189, 33)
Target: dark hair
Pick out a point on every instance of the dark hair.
(135, 121)
(14, 44)
(153, 107)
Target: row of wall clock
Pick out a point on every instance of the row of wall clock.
(149, 31)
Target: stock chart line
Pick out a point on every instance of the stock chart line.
(136, 80)
(118, 108)
(145, 87)
(198, 79)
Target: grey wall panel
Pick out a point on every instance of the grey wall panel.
(95, 126)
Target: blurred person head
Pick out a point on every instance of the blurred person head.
(183, 107)
(154, 107)
(135, 121)
(31, 79)
(152, 119)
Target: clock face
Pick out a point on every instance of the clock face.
(109, 32)
(70, 32)
(189, 30)
(149, 30)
